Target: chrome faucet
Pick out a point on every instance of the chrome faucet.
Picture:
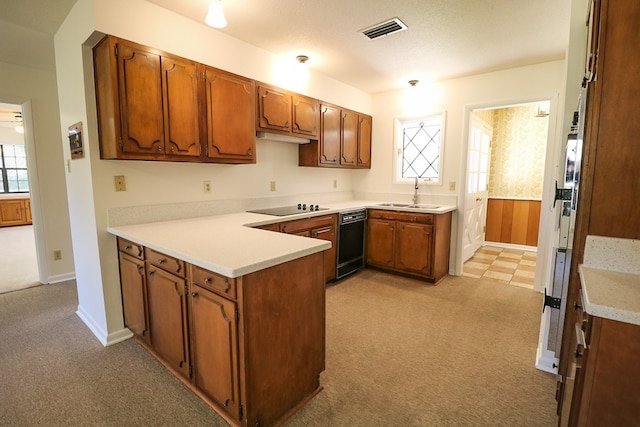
(415, 193)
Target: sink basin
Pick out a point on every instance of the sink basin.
(423, 206)
(394, 205)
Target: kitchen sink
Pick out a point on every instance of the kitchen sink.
(394, 205)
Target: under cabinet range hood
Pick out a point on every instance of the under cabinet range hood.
(281, 138)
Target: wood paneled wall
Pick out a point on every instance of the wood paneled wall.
(513, 221)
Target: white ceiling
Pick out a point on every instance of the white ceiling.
(445, 38)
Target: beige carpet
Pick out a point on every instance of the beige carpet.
(18, 262)
(399, 353)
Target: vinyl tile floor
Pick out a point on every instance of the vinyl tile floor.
(509, 266)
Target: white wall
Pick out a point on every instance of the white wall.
(36, 91)
(90, 183)
(457, 97)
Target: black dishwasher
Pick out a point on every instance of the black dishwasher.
(351, 226)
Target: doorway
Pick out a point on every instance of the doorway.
(22, 265)
(506, 152)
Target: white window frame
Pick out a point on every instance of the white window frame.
(399, 123)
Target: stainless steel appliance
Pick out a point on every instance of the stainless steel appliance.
(351, 232)
(290, 210)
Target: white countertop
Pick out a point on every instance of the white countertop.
(610, 278)
(227, 245)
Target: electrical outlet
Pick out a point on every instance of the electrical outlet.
(452, 186)
(207, 186)
(273, 186)
(335, 183)
(57, 255)
(120, 183)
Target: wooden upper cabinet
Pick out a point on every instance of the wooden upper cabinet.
(345, 140)
(305, 116)
(140, 101)
(230, 117)
(181, 112)
(364, 141)
(287, 113)
(349, 150)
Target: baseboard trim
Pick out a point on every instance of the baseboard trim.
(546, 361)
(119, 336)
(92, 325)
(61, 277)
(512, 246)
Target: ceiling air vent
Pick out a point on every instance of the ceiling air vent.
(384, 28)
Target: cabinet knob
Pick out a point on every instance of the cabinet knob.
(162, 261)
(127, 248)
(207, 280)
(194, 294)
(577, 306)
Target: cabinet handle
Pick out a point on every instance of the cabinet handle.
(577, 306)
(161, 261)
(194, 294)
(127, 248)
(207, 280)
(139, 268)
(579, 352)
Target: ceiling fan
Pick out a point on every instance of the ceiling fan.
(12, 119)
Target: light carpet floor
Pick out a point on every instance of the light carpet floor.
(18, 262)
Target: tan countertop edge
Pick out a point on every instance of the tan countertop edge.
(226, 244)
(611, 294)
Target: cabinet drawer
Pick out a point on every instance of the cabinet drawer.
(421, 218)
(165, 262)
(213, 281)
(296, 226)
(130, 248)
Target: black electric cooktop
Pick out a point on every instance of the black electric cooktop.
(289, 210)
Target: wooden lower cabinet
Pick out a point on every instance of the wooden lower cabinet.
(415, 244)
(601, 385)
(252, 347)
(167, 305)
(320, 227)
(15, 212)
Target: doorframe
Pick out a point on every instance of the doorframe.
(34, 191)
(547, 225)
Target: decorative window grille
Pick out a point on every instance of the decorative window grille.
(419, 148)
(13, 169)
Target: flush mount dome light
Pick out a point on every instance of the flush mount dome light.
(413, 83)
(302, 59)
(215, 18)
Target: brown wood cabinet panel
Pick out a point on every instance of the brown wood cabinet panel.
(493, 232)
(220, 284)
(167, 305)
(214, 348)
(131, 248)
(364, 141)
(349, 150)
(330, 135)
(140, 99)
(380, 242)
(134, 295)
(519, 225)
(330, 255)
(533, 224)
(274, 109)
(14, 212)
(414, 246)
(306, 116)
(230, 117)
(165, 262)
(181, 107)
(283, 315)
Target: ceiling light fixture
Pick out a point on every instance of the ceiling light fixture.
(413, 83)
(302, 59)
(215, 18)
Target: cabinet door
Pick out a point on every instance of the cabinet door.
(230, 117)
(330, 135)
(380, 242)
(167, 318)
(349, 148)
(140, 101)
(330, 255)
(12, 212)
(413, 248)
(180, 100)
(274, 109)
(214, 340)
(306, 116)
(364, 141)
(134, 290)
